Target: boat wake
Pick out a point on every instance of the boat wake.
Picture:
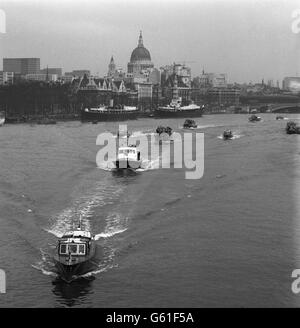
(115, 224)
(104, 265)
(84, 208)
(201, 127)
(104, 259)
(235, 136)
(149, 165)
(46, 265)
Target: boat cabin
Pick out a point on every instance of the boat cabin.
(130, 153)
(75, 243)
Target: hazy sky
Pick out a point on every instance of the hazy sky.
(247, 39)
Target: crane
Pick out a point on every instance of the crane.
(184, 62)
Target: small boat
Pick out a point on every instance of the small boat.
(254, 118)
(189, 124)
(227, 135)
(279, 118)
(2, 118)
(128, 157)
(74, 252)
(164, 129)
(292, 128)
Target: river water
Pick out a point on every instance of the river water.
(231, 238)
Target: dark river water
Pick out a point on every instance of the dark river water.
(231, 238)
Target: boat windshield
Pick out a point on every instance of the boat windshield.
(73, 249)
(127, 151)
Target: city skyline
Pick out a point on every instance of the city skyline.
(247, 40)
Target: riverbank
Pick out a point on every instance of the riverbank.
(42, 118)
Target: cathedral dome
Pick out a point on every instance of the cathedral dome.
(140, 53)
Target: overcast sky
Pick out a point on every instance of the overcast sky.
(247, 39)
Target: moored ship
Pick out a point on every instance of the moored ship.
(103, 113)
(175, 108)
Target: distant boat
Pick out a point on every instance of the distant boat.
(227, 135)
(74, 252)
(2, 118)
(189, 124)
(164, 129)
(128, 157)
(104, 113)
(254, 118)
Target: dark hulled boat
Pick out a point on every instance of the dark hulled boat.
(165, 112)
(74, 252)
(176, 110)
(254, 118)
(227, 135)
(102, 114)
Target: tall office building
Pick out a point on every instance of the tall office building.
(22, 66)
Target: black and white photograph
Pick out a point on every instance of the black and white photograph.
(149, 156)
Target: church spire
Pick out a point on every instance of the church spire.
(140, 40)
(111, 67)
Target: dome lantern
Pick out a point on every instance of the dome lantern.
(141, 40)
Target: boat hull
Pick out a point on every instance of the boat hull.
(163, 113)
(115, 115)
(123, 164)
(78, 266)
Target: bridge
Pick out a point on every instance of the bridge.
(285, 108)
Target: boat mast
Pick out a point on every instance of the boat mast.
(79, 225)
(175, 88)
